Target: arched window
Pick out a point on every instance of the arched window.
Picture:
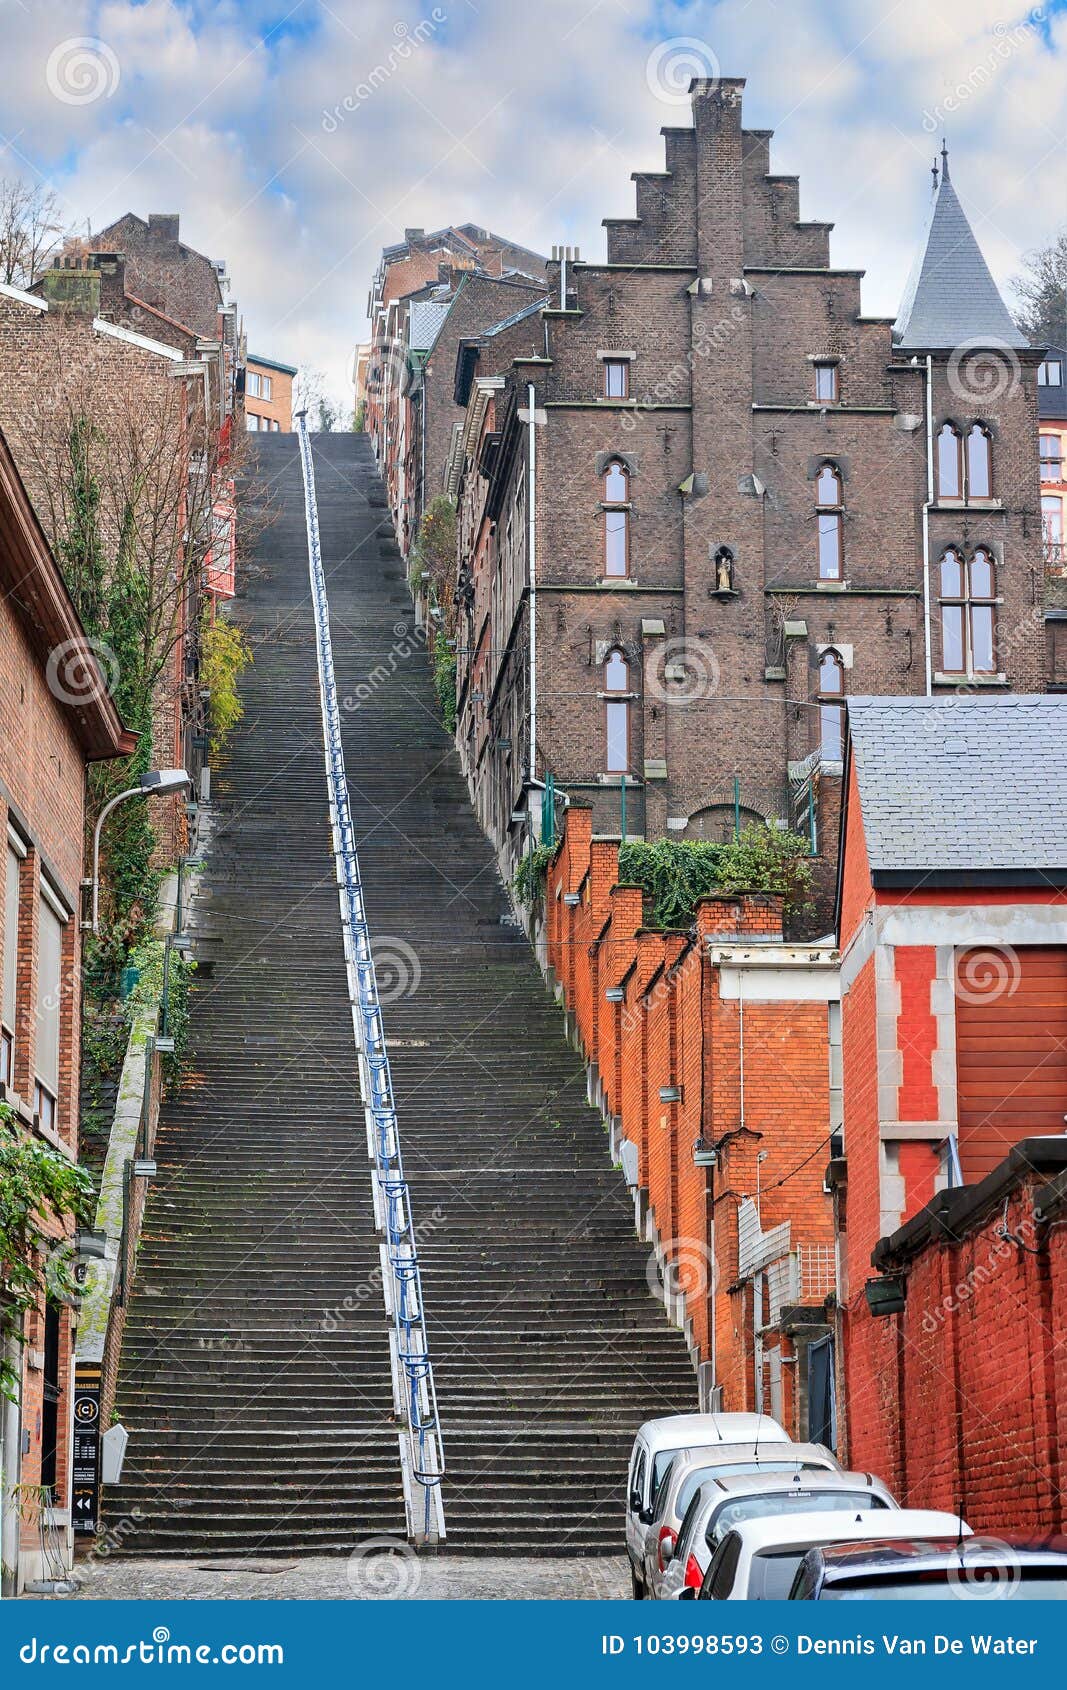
(829, 511)
(831, 709)
(968, 613)
(616, 504)
(979, 463)
(949, 462)
(616, 713)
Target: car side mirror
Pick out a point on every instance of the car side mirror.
(645, 1516)
(635, 1501)
(666, 1551)
(688, 1594)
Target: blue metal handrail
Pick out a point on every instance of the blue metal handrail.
(417, 1399)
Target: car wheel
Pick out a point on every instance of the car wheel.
(637, 1585)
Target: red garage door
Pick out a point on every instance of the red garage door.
(1011, 1050)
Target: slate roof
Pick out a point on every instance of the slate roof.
(951, 298)
(961, 787)
(425, 317)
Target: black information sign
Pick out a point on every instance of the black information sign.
(85, 1502)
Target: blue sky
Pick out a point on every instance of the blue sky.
(298, 138)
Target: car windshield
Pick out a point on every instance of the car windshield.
(771, 1574)
(758, 1507)
(1043, 1584)
(730, 1470)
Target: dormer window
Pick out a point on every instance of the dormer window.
(826, 384)
(1050, 372)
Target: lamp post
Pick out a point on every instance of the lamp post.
(154, 783)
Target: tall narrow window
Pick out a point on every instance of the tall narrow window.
(617, 714)
(49, 994)
(616, 502)
(979, 463)
(1051, 458)
(826, 387)
(1052, 528)
(831, 709)
(949, 462)
(830, 517)
(616, 378)
(968, 613)
(1050, 373)
(9, 997)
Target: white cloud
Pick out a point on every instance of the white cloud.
(298, 159)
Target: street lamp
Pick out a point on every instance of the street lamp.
(154, 784)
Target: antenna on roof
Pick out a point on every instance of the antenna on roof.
(959, 1535)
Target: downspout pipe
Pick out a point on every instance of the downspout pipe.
(928, 382)
(531, 401)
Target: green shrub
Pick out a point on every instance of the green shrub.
(224, 655)
(444, 681)
(675, 874)
(529, 879)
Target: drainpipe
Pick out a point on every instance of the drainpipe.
(11, 1465)
(928, 382)
(531, 400)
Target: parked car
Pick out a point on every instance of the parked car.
(690, 1468)
(924, 1570)
(655, 1444)
(722, 1503)
(757, 1561)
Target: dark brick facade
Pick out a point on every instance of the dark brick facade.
(165, 273)
(721, 301)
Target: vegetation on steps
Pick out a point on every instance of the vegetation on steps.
(224, 655)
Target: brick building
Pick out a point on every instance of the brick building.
(55, 718)
(430, 292)
(953, 931)
(735, 500)
(152, 402)
(268, 401)
(1052, 448)
(713, 1056)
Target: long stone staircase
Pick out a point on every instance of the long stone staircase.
(255, 1369)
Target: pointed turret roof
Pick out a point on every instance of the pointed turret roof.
(951, 299)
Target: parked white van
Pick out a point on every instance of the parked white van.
(659, 1441)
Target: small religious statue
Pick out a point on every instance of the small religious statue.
(724, 571)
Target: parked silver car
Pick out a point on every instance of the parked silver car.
(928, 1570)
(721, 1504)
(689, 1468)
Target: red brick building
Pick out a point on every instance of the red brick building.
(429, 293)
(953, 932)
(713, 1056)
(55, 718)
(734, 500)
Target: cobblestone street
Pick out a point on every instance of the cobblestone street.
(381, 1572)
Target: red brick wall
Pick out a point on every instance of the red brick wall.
(962, 1399)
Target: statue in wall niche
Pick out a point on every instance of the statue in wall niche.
(724, 571)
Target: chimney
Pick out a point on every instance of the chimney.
(73, 284)
(412, 237)
(444, 271)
